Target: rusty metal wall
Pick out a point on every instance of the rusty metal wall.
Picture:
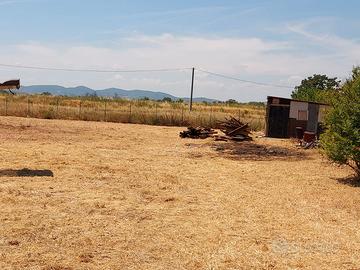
(312, 122)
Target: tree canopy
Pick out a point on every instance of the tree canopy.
(316, 88)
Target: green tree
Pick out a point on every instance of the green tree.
(317, 88)
(341, 140)
(167, 99)
(231, 102)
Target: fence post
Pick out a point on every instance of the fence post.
(182, 115)
(130, 112)
(105, 111)
(156, 113)
(211, 117)
(239, 115)
(6, 106)
(28, 106)
(80, 110)
(57, 108)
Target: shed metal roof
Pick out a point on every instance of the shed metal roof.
(298, 100)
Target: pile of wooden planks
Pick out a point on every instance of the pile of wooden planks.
(234, 130)
(197, 133)
(309, 145)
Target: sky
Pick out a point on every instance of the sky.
(274, 42)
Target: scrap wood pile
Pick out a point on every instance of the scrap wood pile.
(197, 133)
(232, 128)
(310, 145)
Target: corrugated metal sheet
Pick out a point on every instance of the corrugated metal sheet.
(313, 117)
(295, 107)
(278, 120)
(293, 124)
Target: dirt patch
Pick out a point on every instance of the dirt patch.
(257, 151)
(58, 267)
(26, 173)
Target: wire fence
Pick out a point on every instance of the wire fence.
(126, 111)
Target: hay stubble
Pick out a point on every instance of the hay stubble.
(138, 197)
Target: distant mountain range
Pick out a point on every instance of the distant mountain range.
(57, 90)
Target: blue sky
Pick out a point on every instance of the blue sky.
(277, 42)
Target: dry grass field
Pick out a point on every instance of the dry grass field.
(126, 196)
(148, 112)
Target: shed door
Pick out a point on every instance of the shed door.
(313, 117)
(278, 121)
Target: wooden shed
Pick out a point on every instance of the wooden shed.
(283, 115)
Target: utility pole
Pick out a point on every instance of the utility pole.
(192, 88)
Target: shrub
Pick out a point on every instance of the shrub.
(49, 114)
(341, 140)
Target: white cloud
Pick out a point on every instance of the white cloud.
(340, 46)
(248, 58)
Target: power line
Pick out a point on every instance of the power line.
(242, 80)
(94, 70)
(143, 71)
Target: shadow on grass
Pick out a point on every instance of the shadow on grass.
(26, 173)
(249, 150)
(353, 181)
